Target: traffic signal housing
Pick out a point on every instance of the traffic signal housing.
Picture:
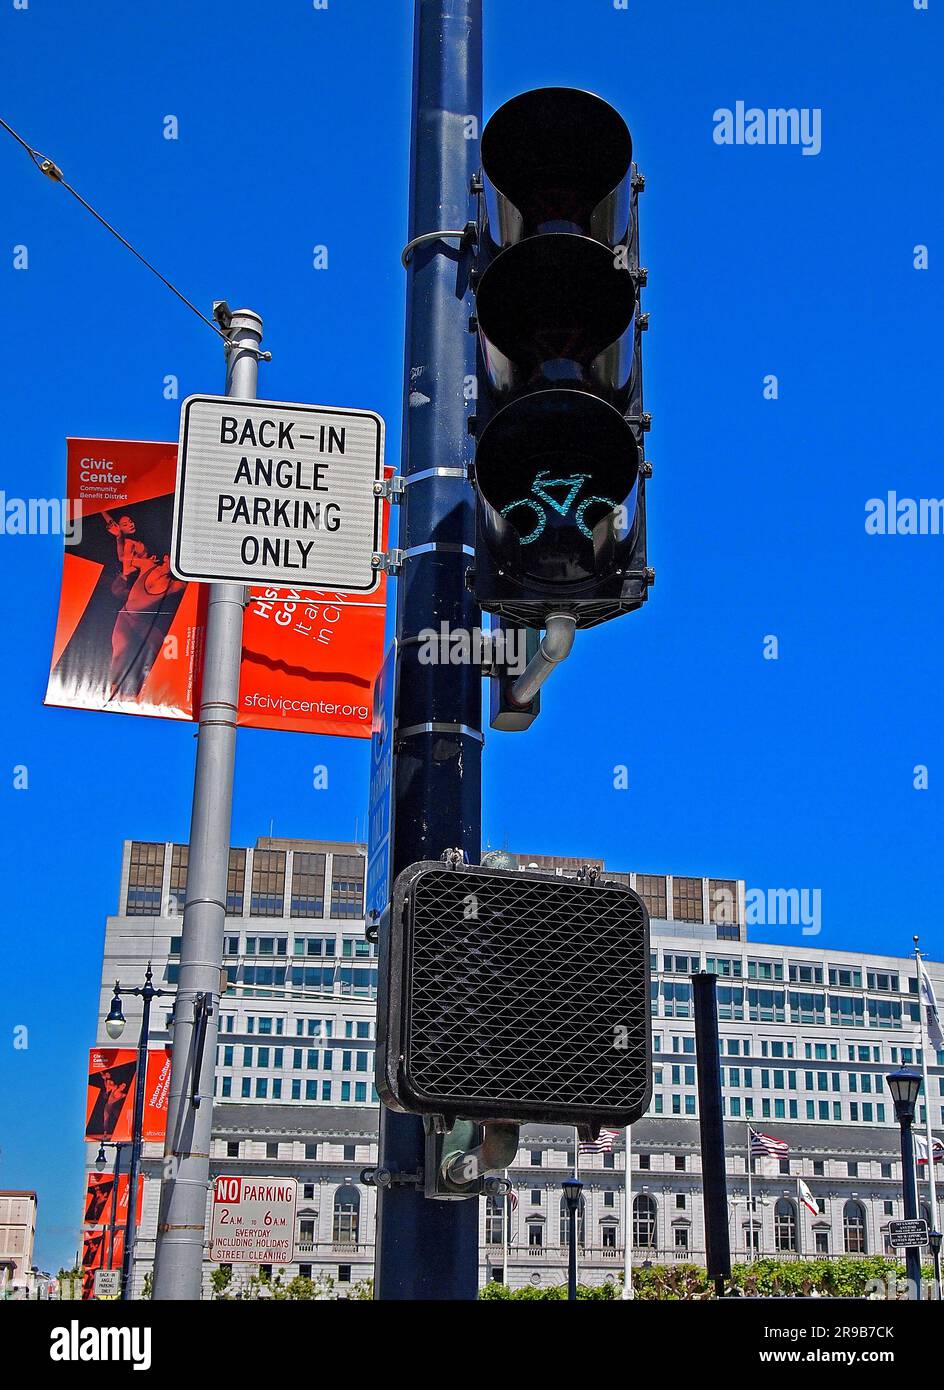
(514, 996)
(559, 467)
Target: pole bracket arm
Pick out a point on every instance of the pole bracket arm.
(466, 235)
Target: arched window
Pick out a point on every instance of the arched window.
(581, 1223)
(853, 1228)
(785, 1225)
(347, 1206)
(644, 1222)
(494, 1220)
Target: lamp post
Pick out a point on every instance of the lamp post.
(114, 1027)
(100, 1161)
(572, 1187)
(904, 1086)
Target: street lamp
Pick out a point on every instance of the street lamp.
(115, 1019)
(572, 1188)
(114, 1025)
(904, 1086)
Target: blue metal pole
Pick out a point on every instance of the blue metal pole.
(429, 1249)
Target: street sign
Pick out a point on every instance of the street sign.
(908, 1233)
(278, 494)
(380, 805)
(107, 1283)
(253, 1220)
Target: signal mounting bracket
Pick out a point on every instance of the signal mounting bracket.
(391, 489)
(389, 561)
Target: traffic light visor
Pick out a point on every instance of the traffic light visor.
(556, 310)
(557, 159)
(558, 471)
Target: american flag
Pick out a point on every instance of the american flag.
(602, 1145)
(512, 1199)
(766, 1144)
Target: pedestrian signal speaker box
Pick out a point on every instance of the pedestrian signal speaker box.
(514, 996)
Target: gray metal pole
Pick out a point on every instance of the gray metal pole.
(178, 1266)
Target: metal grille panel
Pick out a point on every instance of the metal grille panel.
(525, 997)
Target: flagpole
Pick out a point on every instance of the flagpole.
(505, 1225)
(577, 1218)
(750, 1201)
(932, 1185)
(628, 1221)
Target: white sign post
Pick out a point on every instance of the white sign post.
(253, 1220)
(271, 493)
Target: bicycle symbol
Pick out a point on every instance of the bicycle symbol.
(539, 487)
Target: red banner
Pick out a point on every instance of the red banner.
(129, 636)
(109, 1109)
(100, 1209)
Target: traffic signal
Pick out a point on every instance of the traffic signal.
(514, 996)
(559, 423)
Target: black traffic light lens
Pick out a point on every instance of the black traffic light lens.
(557, 310)
(557, 159)
(557, 471)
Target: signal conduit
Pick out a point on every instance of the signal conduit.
(496, 1151)
(556, 645)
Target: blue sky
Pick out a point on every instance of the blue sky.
(293, 132)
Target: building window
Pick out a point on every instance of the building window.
(145, 879)
(235, 882)
(179, 858)
(785, 1225)
(644, 1222)
(347, 885)
(853, 1228)
(564, 1232)
(723, 901)
(535, 1234)
(347, 1205)
(651, 888)
(609, 1231)
(308, 885)
(268, 883)
(687, 900)
(681, 1237)
(344, 1274)
(232, 1148)
(494, 1220)
(821, 1242)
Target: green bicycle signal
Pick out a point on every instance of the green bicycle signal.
(539, 491)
